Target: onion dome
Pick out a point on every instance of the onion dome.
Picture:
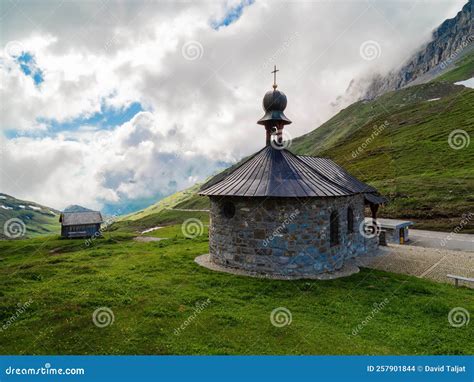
(274, 103)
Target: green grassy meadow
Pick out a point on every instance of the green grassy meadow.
(154, 288)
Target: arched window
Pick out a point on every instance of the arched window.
(334, 229)
(350, 220)
(228, 210)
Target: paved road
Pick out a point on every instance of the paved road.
(429, 263)
(441, 240)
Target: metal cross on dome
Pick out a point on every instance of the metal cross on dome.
(275, 70)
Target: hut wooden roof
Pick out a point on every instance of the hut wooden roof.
(80, 218)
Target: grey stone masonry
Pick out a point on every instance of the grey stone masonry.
(285, 236)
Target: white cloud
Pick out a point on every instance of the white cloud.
(135, 160)
(200, 111)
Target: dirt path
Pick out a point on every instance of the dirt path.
(147, 239)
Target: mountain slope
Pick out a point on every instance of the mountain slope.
(76, 208)
(35, 219)
(400, 143)
(182, 206)
(186, 199)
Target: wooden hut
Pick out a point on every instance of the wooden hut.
(80, 224)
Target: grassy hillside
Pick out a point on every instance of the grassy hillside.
(37, 219)
(463, 70)
(186, 199)
(399, 143)
(154, 288)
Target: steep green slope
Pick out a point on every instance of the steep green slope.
(36, 220)
(186, 199)
(361, 113)
(463, 70)
(173, 209)
(400, 143)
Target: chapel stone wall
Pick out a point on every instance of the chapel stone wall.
(285, 236)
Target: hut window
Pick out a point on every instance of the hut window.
(350, 220)
(334, 229)
(228, 210)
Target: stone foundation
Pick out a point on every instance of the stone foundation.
(285, 236)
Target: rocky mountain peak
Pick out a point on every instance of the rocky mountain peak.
(450, 41)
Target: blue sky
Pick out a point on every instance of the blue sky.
(29, 67)
(232, 15)
(106, 118)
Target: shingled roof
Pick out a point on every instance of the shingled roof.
(80, 218)
(279, 173)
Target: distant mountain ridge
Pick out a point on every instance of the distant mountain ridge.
(21, 218)
(451, 41)
(76, 208)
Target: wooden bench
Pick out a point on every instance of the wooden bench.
(457, 278)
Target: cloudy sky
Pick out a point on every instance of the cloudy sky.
(115, 104)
